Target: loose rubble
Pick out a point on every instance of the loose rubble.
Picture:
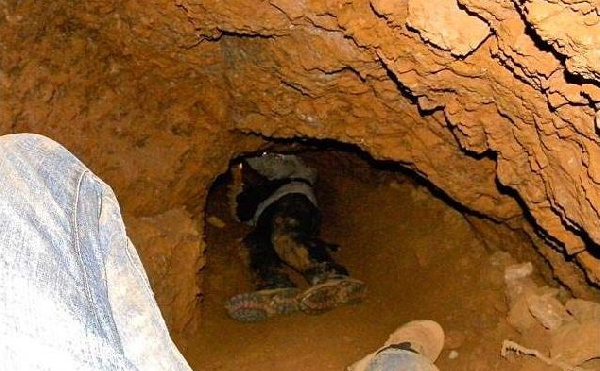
(571, 326)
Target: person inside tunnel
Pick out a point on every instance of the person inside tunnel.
(275, 197)
(74, 293)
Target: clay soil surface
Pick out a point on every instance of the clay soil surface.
(420, 258)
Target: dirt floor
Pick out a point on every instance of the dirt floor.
(419, 257)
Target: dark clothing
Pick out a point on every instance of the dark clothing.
(251, 197)
(286, 232)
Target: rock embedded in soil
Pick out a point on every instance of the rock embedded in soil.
(583, 310)
(445, 25)
(576, 342)
(548, 310)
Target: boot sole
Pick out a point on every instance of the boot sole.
(261, 305)
(329, 295)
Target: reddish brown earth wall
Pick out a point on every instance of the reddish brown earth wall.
(155, 96)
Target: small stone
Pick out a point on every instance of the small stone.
(518, 281)
(548, 311)
(453, 355)
(519, 315)
(215, 222)
(518, 271)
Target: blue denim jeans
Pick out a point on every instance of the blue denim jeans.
(393, 360)
(400, 360)
(73, 292)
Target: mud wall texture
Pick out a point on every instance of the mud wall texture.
(494, 102)
(151, 122)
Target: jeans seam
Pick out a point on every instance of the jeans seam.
(88, 293)
(130, 259)
(137, 271)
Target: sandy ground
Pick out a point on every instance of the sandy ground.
(419, 257)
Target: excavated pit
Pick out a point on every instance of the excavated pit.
(421, 258)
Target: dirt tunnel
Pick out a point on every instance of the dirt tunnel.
(420, 254)
(493, 104)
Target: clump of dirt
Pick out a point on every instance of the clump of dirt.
(420, 258)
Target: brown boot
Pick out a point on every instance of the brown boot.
(423, 337)
(332, 293)
(262, 304)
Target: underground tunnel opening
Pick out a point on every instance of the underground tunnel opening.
(153, 97)
(420, 255)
